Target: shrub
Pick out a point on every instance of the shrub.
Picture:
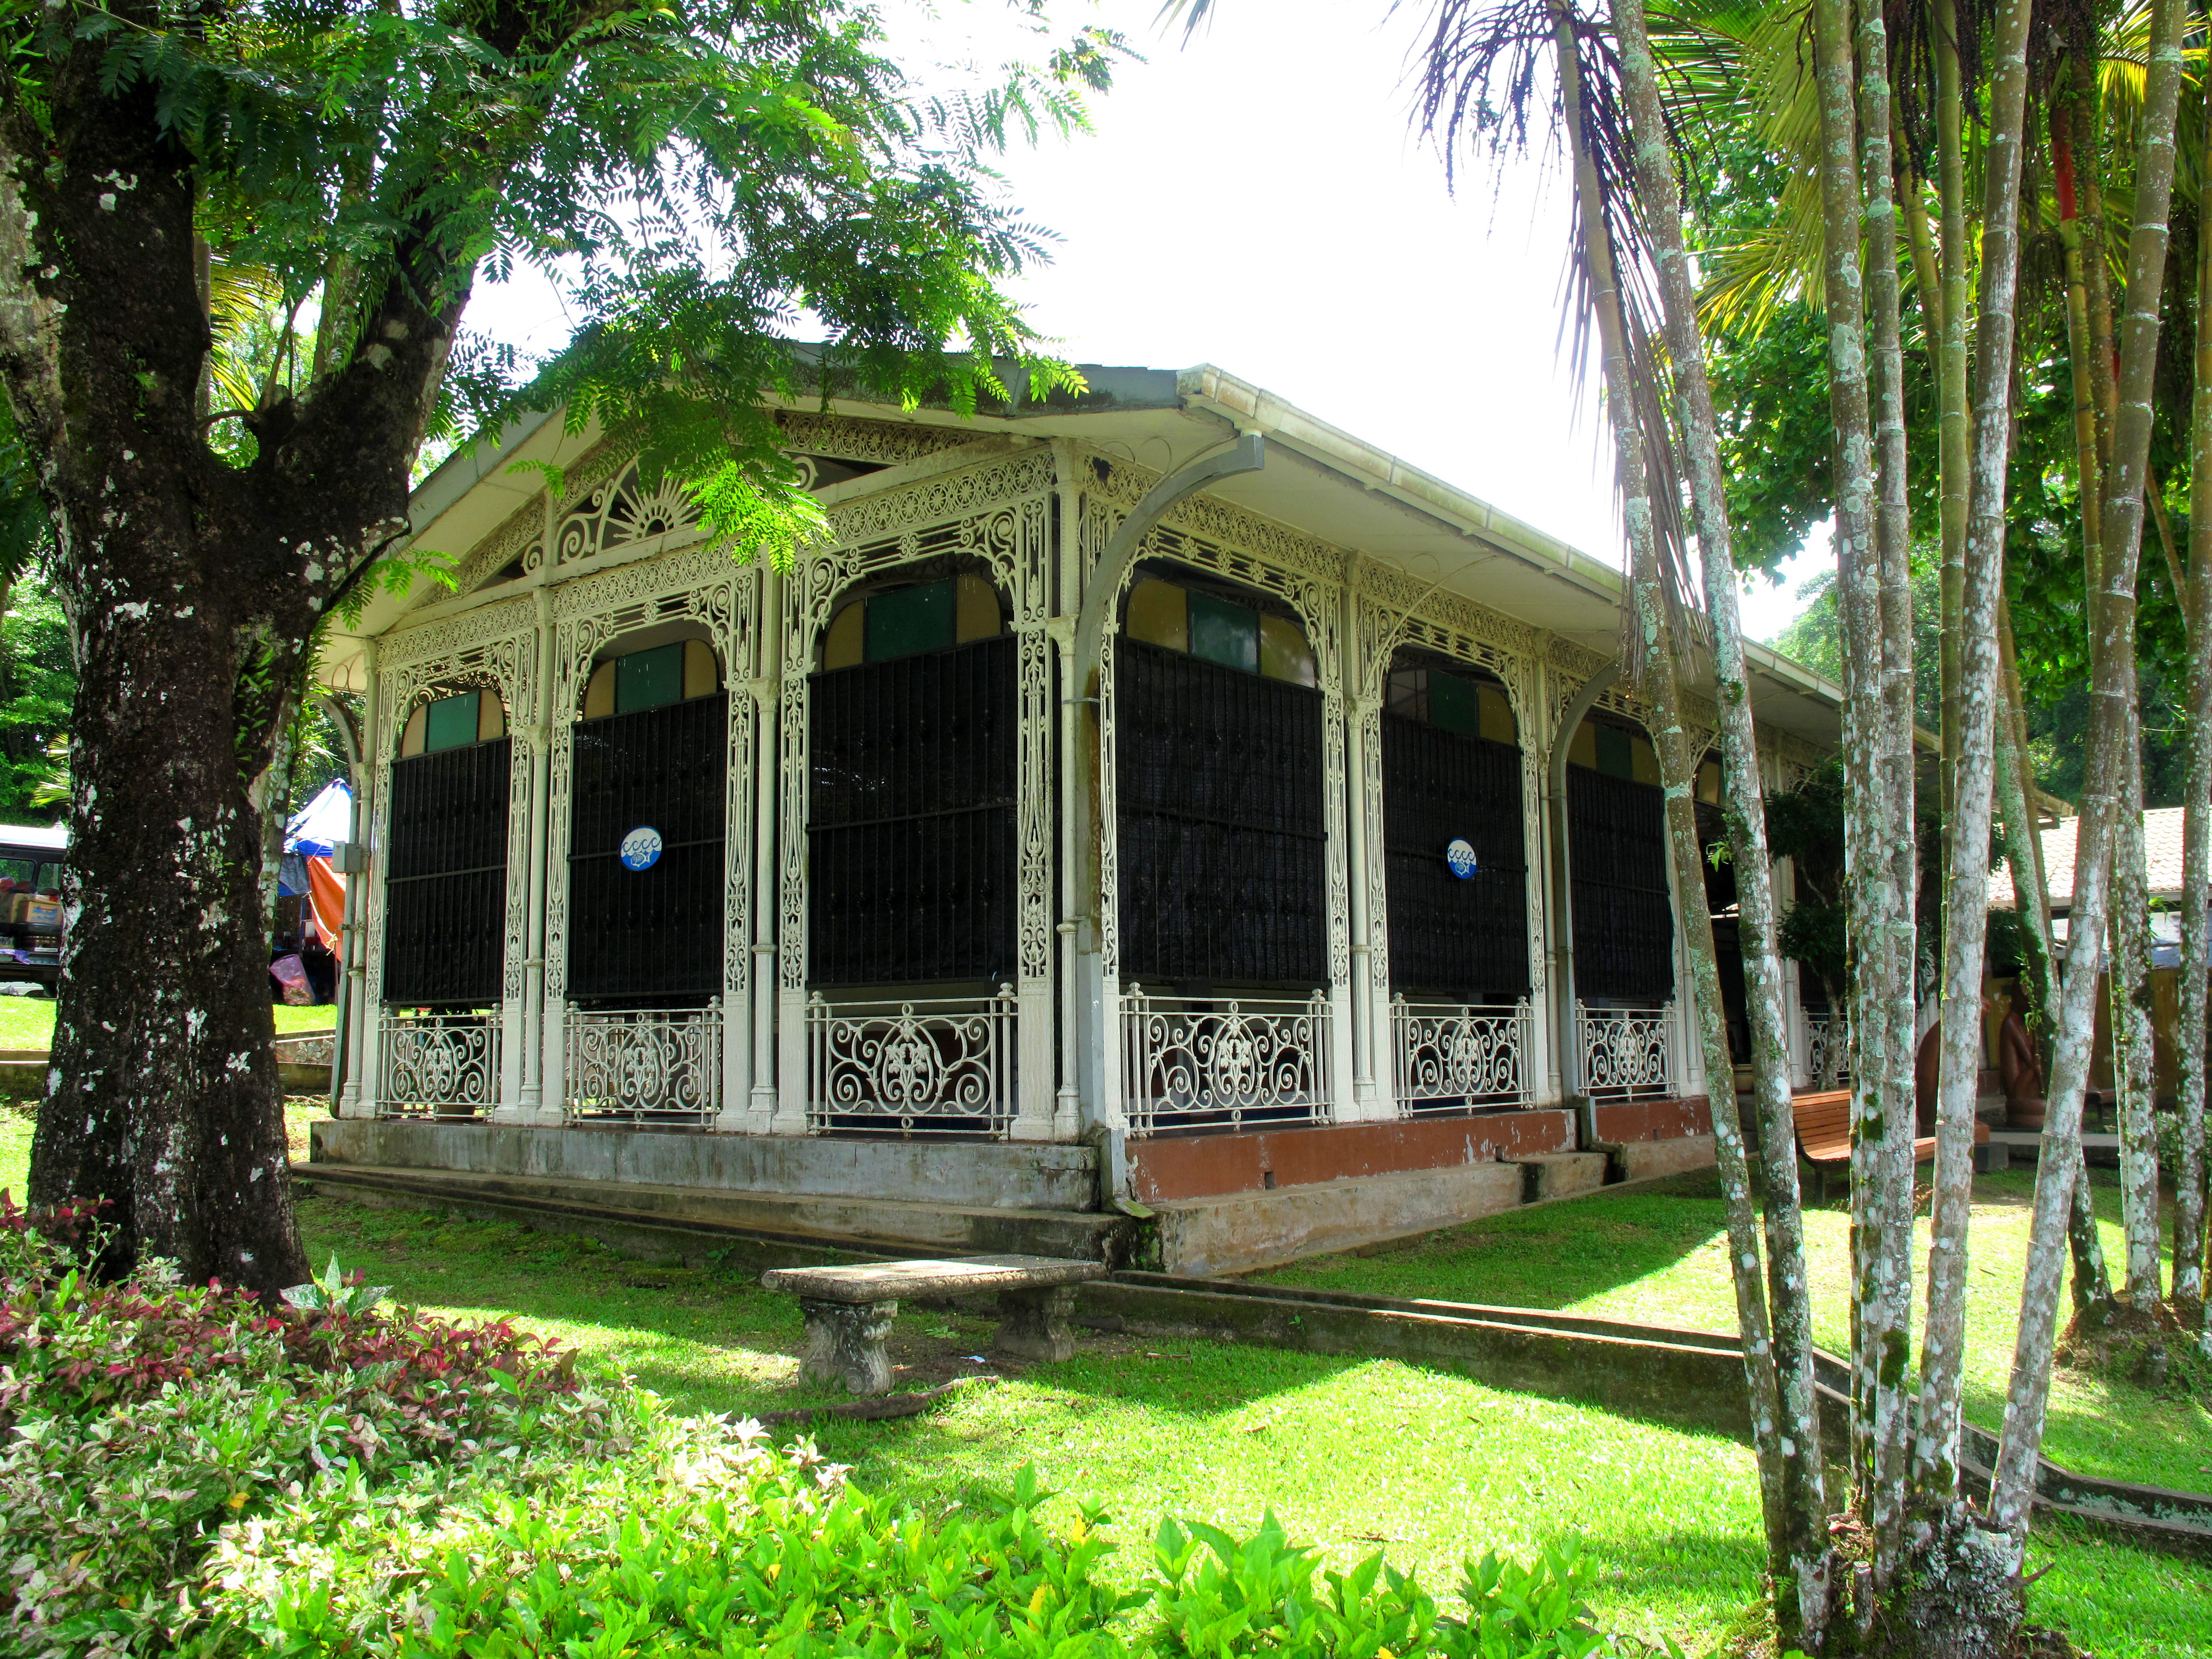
(189, 1472)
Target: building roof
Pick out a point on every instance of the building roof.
(2161, 853)
(1318, 479)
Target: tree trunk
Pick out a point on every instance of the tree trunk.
(2129, 993)
(1803, 1572)
(2190, 998)
(1656, 660)
(2113, 695)
(193, 588)
(1966, 832)
(1956, 449)
(1881, 907)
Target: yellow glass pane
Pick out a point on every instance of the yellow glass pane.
(1709, 783)
(1498, 716)
(491, 717)
(411, 740)
(1159, 614)
(599, 692)
(842, 646)
(1284, 653)
(976, 613)
(702, 675)
(1644, 759)
(1582, 749)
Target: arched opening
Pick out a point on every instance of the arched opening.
(647, 805)
(445, 852)
(1620, 1023)
(913, 712)
(1624, 919)
(1455, 856)
(1219, 781)
(1453, 836)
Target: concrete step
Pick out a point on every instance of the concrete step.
(1240, 1232)
(892, 1226)
(1559, 1174)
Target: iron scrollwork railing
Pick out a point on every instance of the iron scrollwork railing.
(924, 1068)
(1625, 1051)
(1827, 1042)
(1457, 1057)
(438, 1064)
(643, 1065)
(1189, 1063)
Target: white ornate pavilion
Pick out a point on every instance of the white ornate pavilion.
(1335, 816)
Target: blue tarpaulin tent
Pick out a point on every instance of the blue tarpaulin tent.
(311, 833)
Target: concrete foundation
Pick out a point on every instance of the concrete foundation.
(969, 1174)
(1239, 1233)
(1559, 1174)
(1647, 1160)
(1166, 1168)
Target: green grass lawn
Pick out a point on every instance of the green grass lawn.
(1659, 1253)
(1353, 1455)
(28, 1022)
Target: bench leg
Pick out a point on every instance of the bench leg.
(1034, 1324)
(845, 1345)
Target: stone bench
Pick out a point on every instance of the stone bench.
(849, 1310)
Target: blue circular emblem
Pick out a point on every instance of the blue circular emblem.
(1460, 857)
(641, 849)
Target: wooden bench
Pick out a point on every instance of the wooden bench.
(1824, 1136)
(849, 1310)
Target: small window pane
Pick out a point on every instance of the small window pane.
(646, 680)
(1454, 704)
(450, 722)
(599, 692)
(1225, 633)
(1284, 653)
(1408, 694)
(1158, 616)
(908, 621)
(1615, 757)
(976, 608)
(1644, 760)
(491, 718)
(1497, 717)
(410, 740)
(1582, 747)
(702, 674)
(841, 647)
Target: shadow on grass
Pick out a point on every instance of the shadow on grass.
(1547, 1256)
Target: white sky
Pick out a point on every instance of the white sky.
(1256, 200)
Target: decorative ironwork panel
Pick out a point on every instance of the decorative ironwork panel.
(643, 1065)
(911, 818)
(1625, 1051)
(627, 508)
(445, 925)
(1827, 1042)
(946, 1067)
(1223, 846)
(1193, 1064)
(654, 931)
(1455, 936)
(442, 1065)
(1624, 919)
(1457, 1058)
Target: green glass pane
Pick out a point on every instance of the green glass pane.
(1225, 633)
(908, 621)
(1454, 704)
(1616, 757)
(450, 722)
(646, 680)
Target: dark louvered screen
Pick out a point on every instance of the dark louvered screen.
(1449, 936)
(655, 934)
(1221, 834)
(1624, 924)
(445, 877)
(911, 818)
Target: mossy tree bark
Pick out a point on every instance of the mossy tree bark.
(1803, 1569)
(2112, 694)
